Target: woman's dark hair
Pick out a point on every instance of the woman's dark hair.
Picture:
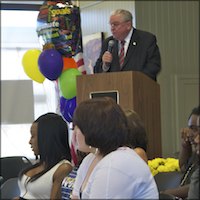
(53, 142)
(137, 136)
(103, 123)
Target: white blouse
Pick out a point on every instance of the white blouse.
(121, 174)
(41, 187)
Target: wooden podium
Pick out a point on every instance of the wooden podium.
(135, 91)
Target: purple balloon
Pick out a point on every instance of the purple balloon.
(50, 64)
(67, 107)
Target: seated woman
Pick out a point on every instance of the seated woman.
(111, 170)
(137, 137)
(49, 142)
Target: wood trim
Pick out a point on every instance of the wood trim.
(137, 92)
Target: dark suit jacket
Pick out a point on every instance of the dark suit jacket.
(142, 55)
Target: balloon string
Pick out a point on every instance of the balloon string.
(47, 102)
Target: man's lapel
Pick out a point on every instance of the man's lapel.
(131, 48)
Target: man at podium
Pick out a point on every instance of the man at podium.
(128, 49)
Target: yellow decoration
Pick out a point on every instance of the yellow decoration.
(163, 165)
(30, 65)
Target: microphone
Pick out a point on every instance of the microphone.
(106, 66)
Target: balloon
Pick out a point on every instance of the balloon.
(69, 63)
(50, 64)
(67, 83)
(67, 108)
(59, 23)
(30, 65)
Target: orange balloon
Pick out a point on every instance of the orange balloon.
(69, 63)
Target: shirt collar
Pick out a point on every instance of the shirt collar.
(128, 37)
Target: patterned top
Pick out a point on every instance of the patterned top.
(68, 184)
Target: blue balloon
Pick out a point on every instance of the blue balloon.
(67, 107)
(50, 64)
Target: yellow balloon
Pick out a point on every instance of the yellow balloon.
(30, 65)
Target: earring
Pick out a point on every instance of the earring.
(96, 151)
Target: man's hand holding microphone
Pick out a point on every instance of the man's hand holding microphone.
(107, 56)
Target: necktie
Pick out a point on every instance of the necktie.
(121, 54)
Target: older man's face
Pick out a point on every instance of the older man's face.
(119, 27)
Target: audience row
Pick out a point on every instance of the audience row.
(107, 159)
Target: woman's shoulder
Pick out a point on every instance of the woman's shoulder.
(88, 158)
(86, 162)
(141, 153)
(64, 164)
(121, 156)
(64, 167)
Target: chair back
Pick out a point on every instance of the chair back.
(11, 166)
(168, 180)
(10, 189)
(1, 180)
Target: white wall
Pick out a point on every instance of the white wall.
(176, 25)
(95, 16)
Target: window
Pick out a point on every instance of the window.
(18, 34)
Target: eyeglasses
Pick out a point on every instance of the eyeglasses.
(116, 24)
